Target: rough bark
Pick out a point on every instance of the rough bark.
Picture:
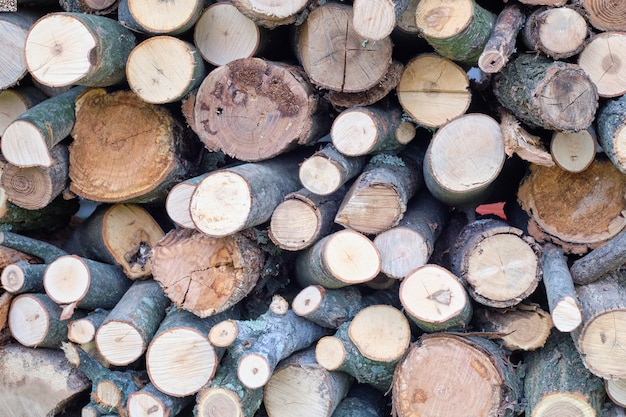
(158, 18)
(83, 330)
(600, 261)
(271, 15)
(501, 43)
(610, 126)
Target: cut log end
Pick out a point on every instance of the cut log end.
(605, 15)
(141, 403)
(574, 151)
(406, 251)
(440, 19)
(223, 334)
(380, 332)
(616, 391)
(320, 175)
(120, 343)
(330, 352)
(294, 225)
(566, 315)
(157, 17)
(352, 257)
(254, 371)
(564, 403)
(28, 320)
(218, 402)
(354, 133)
(24, 146)
(67, 279)
(177, 204)
(12, 278)
(308, 300)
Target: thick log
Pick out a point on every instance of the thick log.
(206, 275)
(130, 325)
(604, 15)
(37, 382)
(342, 60)
(318, 390)
(556, 381)
(501, 43)
(83, 330)
(435, 300)
(54, 58)
(15, 101)
(14, 28)
(601, 60)
(433, 90)
(56, 215)
(476, 377)
(610, 126)
(158, 18)
(600, 261)
(543, 93)
(118, 234)
(23, 277)
(29, 139)
(351, 349)
(560, 291)
(342, 258)
(499, 264)
(524, 327)
(578, 211)
(410, 243)
(151, 401)
(128, 127)
(254, 109)
(458, 31)
(43, 250)
(573, 151)
(375, 20)
(271, 15)
(450, 174)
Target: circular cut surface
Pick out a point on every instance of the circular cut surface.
(120, 343)
(58, 50)
(28, 320)
(30, 188)
(320, 175)
(274, 8)
(81, 331)
(352, 257)
(253, 370)
(380, 322)
(562, 30)
(12, 64)
(600, 341)
(13, 142)
(401, 251)
(566, 315)
(603, 59)
(143, 403)
(570, 404)
(308, 300)
(353, 131)
(12, 278)
(67, 279)
(294, 224)
(178, 202)
(374, 19)
(606, 15)
(573, 151)
(568, 100)
(218, 402)
(616, 390)
(443, 18)
(330, 352)
(158, 16)
(11, 105)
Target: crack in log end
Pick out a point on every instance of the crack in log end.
(441, 296)
(140, 256)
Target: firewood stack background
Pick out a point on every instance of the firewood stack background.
(313, 208)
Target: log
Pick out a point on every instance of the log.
(601, 60)
(458, 31)
(128, 127)
(29, 139)
(83, 330)
(375, 20)
(362, 400)
(499, 265)
(433, 90)
(268, 108)
(405, 23)
(130, 325)
(303, 218)
(605, 16)
(22, 277)
(351, 349)
(37, 382)
(54, 58)
(410, 243)
(319, 391)
(33, 188)
(97, 7)
(327, 170)
(272, 15)
(342, 60)
(118, 234)
(556, 381)
(47, 252)
(518, 141)
(342, 258)
(14, 28)
(15, 101)
(610, 123)
(158, 18)
(534, 89)
(164, 69)
(206, 275)
(573, 151)
(476, 379)
(557, 280)
(615, 391)
(559, 32)
(151, 401)
(450, 174)
(525, 327)
(600, 261)
(501, 43)
(553, 200)
(435, 300)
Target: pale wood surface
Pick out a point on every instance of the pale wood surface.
(573, 151)
(602, 59)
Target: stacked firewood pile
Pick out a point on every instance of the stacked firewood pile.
(313, 208)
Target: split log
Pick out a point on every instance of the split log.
(603, 312)
(573, 151)
(362, 400)
(543, 93)
(15, 101)
(435, 300)
(575, 211)
(476, 377)
(600, 261)
(14, 28)
(232, 199)
(364, 130)
(29, 139)
(556, 381)
(34, 321)
(118, 234)
(604, 15)
(518, 141)
(303, 218)
(375, 20)
(458, 31)
(558, 32)
(501, 43)
(368, 347)
(610, 124)
(499, 265)
(254, 109)
(223, 34)
(37, 382)
(53, 217)
(433, 90)
(35, 187)
(54, 58)
(378, 198)
(127, 127)
(341, 60)
(260, 344)
(271, 15)
(523, 327)
(452, 156)
(83, 330)
(206, 275)
(342, 258)
(23, 277)
(125, 334)
(150, 401)
(158, 18)
(325, 171)
(560, 291)
(47, 252)
(601, 59)
(164, 69)
(410, 244)
(97, 7)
